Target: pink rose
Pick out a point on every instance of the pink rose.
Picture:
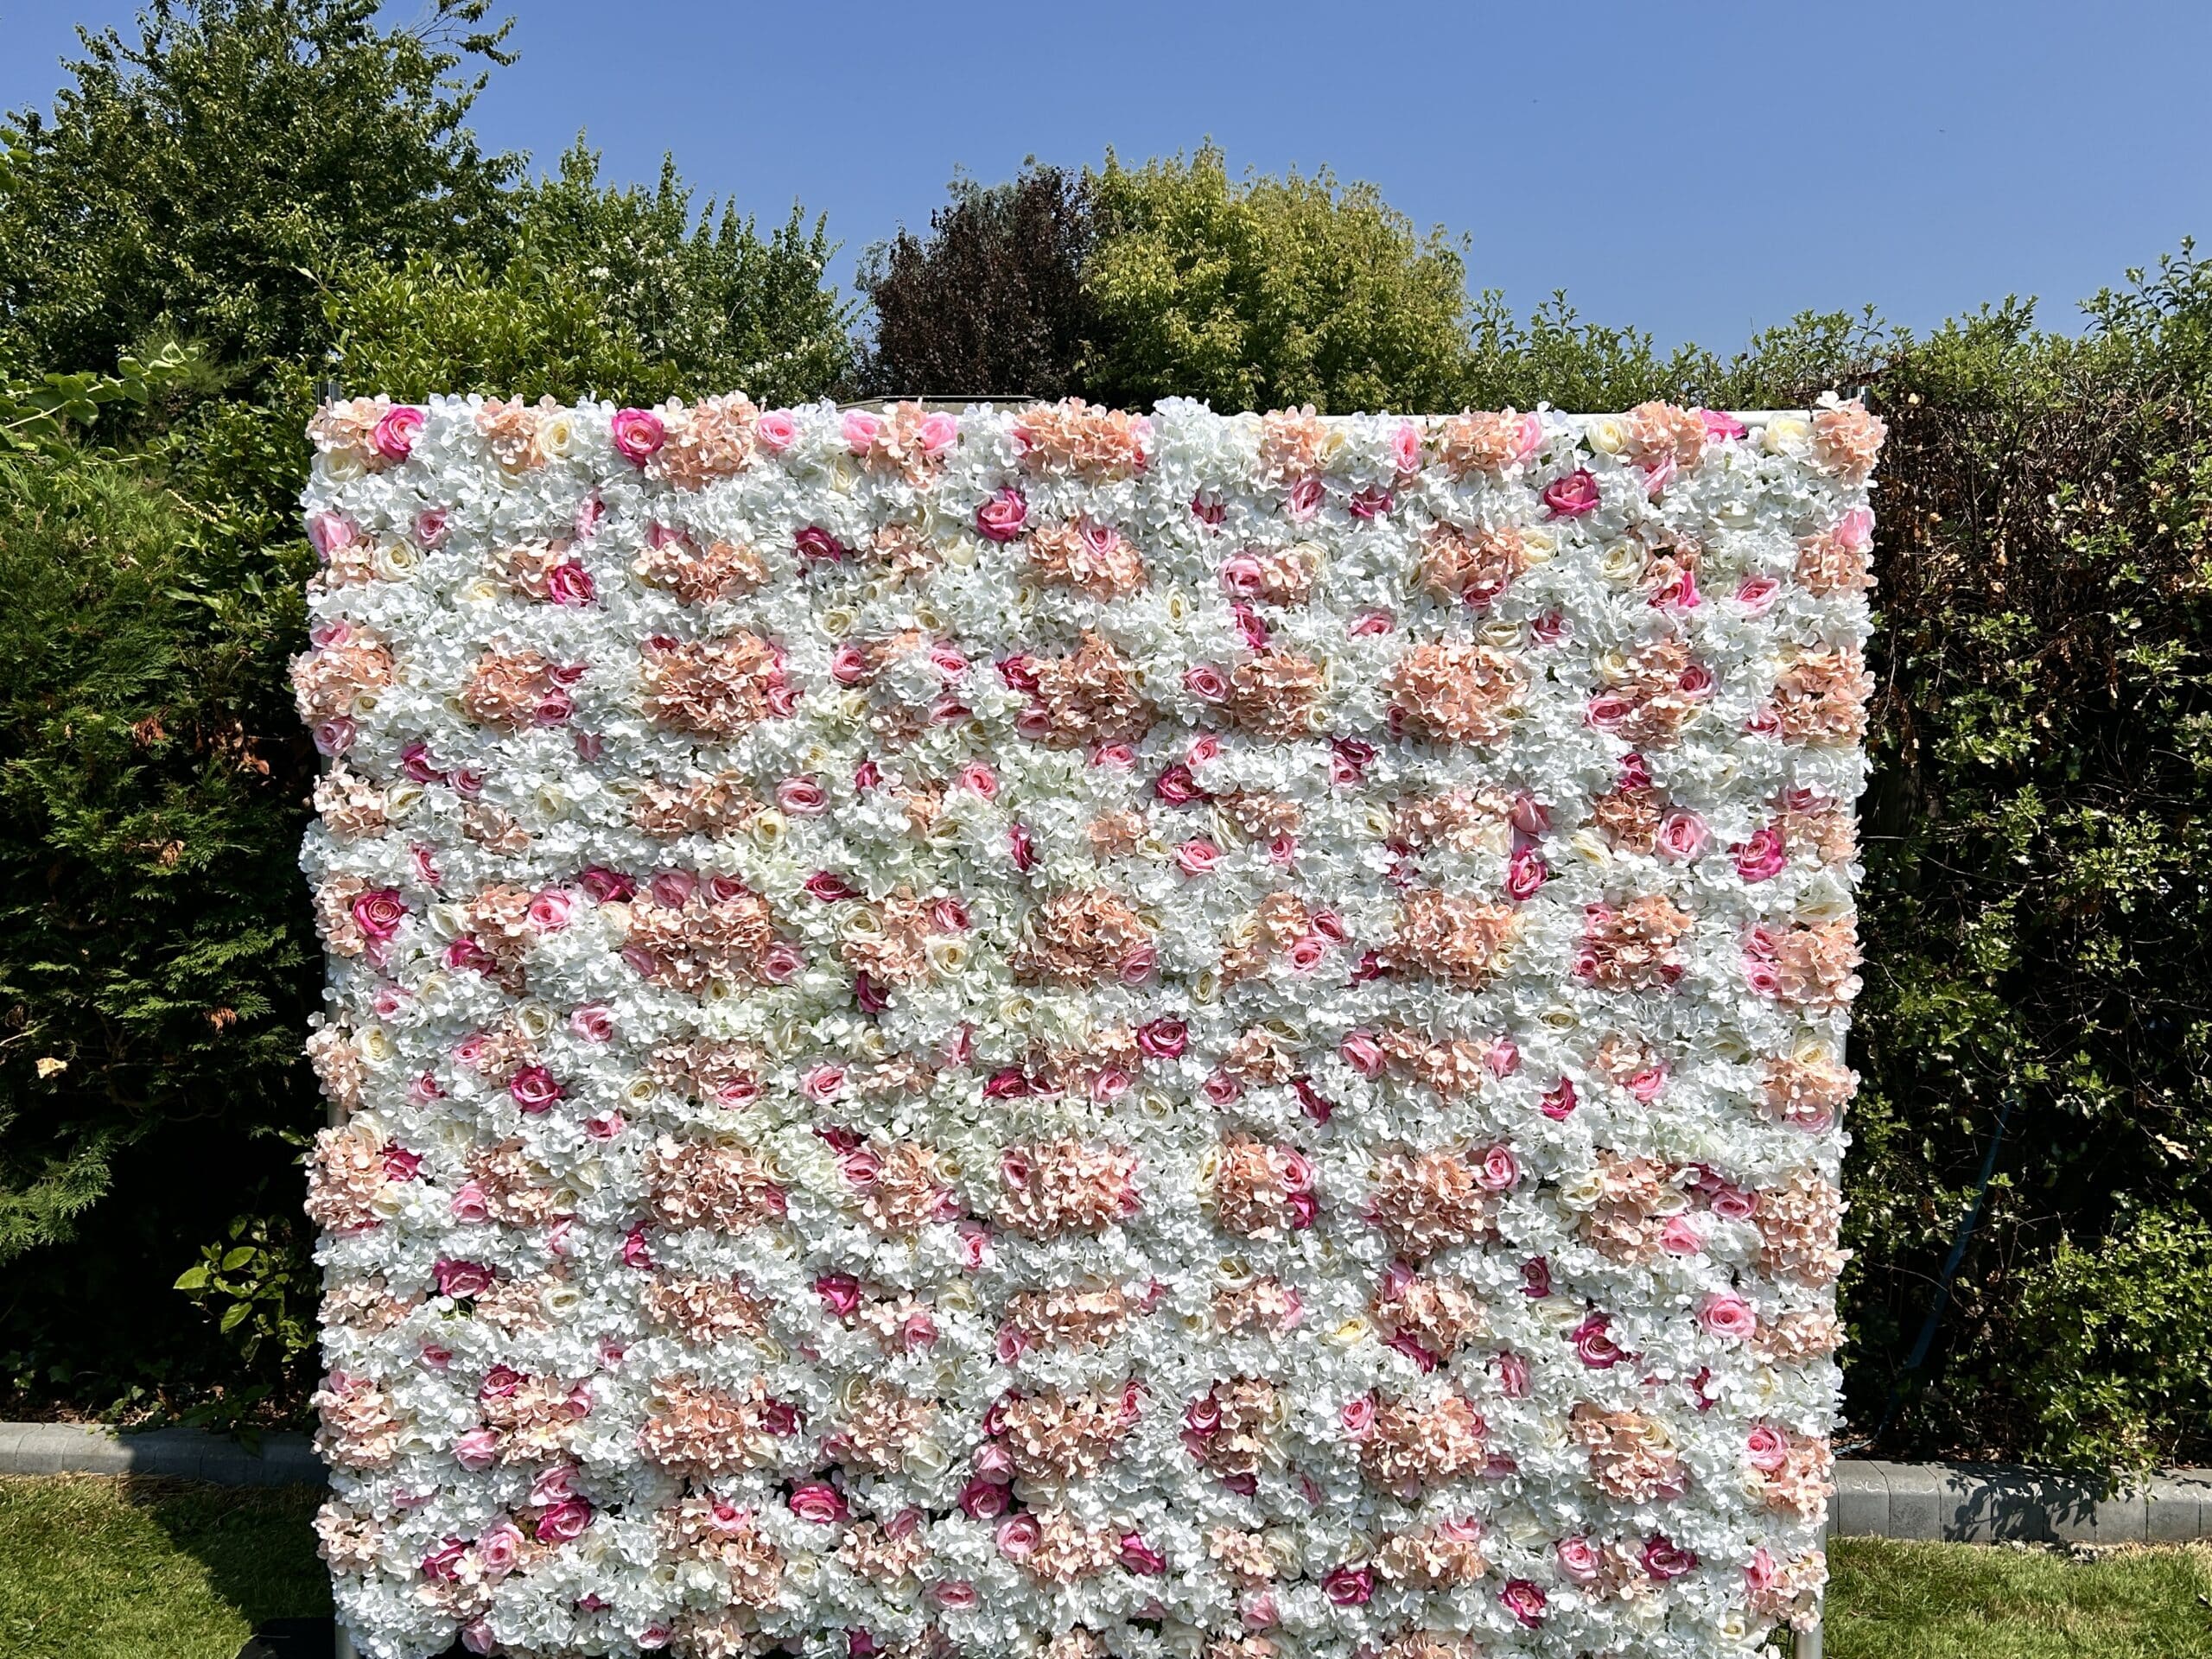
(477, 1450)
(1205, 682)
(984, 1500)
(1513, 1374)
(1683, 836)
(1371, 502)
(550, 909)
(1196, 857)
(1306, 498)
(1306, 954)
(1018, 1537)
(431, 527)
(1498, 1171)
(1368, 624)
(954, 1593)
(1766, 1448)
(606, 1126)
(1571, 496)
(1405, 447)
(1763, 857)
(593, 1022)
(1243, 575)
(1594, 1345)
(329, 531)
(1681, 1236)
(1721, 427)
(1727, 1314)
(1525, 1600)
(861, 429)
(534, 1088)
(1362, 1053)
(1023, 846)
(1357, 1417)
(980, 779)
(823, 1084)
(1208, 511)
(818, 1503)
(379, 912)
(1756, 594)
(606, 886)
(672, 887)
(1000, 518)
(939, 431)
(1578, 1559)
(637, 434)
(1559, 1102)
(840, 1293)
(468, 1205)
(1525, 875)
(394, 436)
(777, 431)
(589, 511)
(801, 797)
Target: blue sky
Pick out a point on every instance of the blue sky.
(1700, 171)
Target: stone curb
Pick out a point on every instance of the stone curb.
(176, 1453)
(1958, 1502)
(1991, 1504)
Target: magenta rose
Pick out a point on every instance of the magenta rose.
(1571, 496)
(1763, 857)
(1163, 1039)
(394, 436)
(379, 912)
(569, 583)
(535, 1089)
(461, 1280)
(1350, 1587)
(1141, 1558)
(565, 1521)
(1525, 1599)
(637, 434)
(817, 546)
(1663, 1559)
(1000, 518)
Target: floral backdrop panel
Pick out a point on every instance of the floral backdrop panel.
(1044, 1032)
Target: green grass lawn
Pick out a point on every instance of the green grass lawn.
(104, 1569)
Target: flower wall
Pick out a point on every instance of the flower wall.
(1044, 1032)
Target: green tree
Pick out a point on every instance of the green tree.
(198, 182)
(1269, 293)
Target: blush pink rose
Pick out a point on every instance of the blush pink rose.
(593, 1022)
(637, 435)
(801, 797)
(777, 431)
(1727, 1314)
(1196, 857)
(1683, 836)
(477, 1450)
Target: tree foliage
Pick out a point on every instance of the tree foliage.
(1269, 293)
(992, 300)
(199, 181)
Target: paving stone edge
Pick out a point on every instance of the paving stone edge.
(1964, 1503)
